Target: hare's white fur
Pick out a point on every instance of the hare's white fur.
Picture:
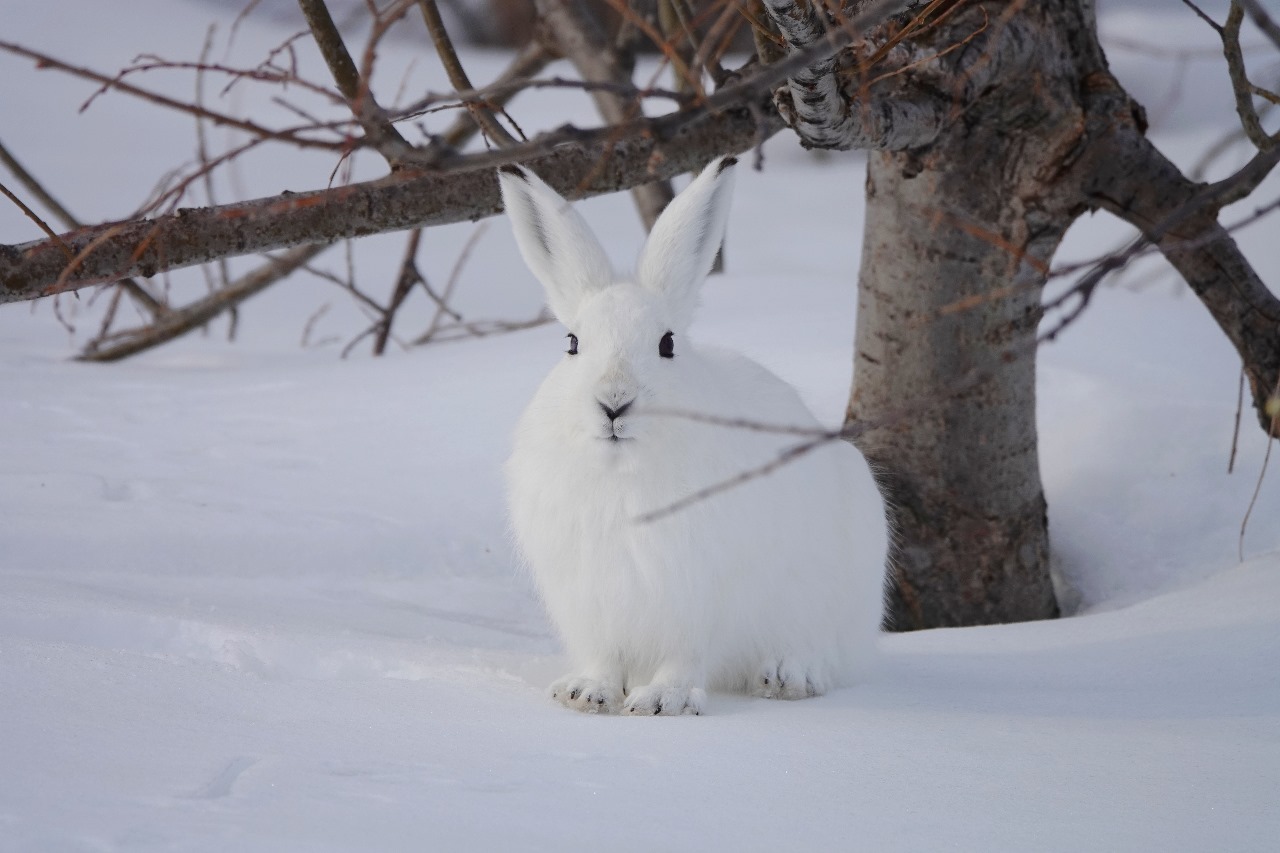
(773, 586)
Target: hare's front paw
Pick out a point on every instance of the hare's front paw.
(591, 695)
(784, 679)
(665, 699)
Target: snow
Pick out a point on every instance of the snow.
(256, 597)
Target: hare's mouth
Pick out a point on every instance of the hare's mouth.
(615, 438)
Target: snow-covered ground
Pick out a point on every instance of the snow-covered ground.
(255, 597)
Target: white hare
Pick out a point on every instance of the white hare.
(773, 586)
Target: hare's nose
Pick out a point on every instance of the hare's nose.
(614, 414)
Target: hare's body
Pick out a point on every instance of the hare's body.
(771, 586)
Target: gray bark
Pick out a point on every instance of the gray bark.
(954, 263)
(946, 330)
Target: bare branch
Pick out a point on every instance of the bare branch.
(378, 129)
(1260, 17)
(291, 135)
(1240, 84)
(1245, 180)
(481, 113)
(135, 289)
(575, 162)
(442, 300)
(459, 187)
(178, 322)
(1201, 14)
(405, 280)
(531, 60)
(576, 32)
(1129, 177)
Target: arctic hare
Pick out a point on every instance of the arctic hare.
(773, 586)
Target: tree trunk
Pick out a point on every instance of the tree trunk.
(959, 468)
(957, 244)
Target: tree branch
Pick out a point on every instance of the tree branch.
(1240, 84)
(575, 162)
(134, 288)
(480, 113)
(457, 188)
(1129, 177)
(380, 132)
(178, 322)
(577, 34)
(289, 135)
(531, 60)
(1264, 22)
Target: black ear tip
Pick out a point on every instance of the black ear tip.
(726, 163)
(513, 170)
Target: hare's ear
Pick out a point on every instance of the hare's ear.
(555, 241)
(684, 241)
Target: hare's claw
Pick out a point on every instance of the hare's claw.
(782, 679)
(586, 694)
(665, 700)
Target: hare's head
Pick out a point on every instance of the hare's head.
(626, 336)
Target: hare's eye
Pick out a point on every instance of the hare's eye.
(573, 344)
(667, 346)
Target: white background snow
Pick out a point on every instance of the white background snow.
(256, 597)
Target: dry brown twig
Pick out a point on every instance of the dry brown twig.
(291, 136)
(480, 112)
(182, 320)
(354, 85)
(202, 153)
(1240, 83)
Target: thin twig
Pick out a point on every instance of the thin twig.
(202, 154)
(486, 328)
(1274, 405)
(309, 327)
(135, 289)
(40, 223)
(407, 278)
(480, 113)
(178, 322)
(531, 60)
(1263, 21)
(815, 437)
(442, 301)
(355, 88)
(578, 34)
(1240, 84)
(1235, 432)
(109, 83)
(1204, 17)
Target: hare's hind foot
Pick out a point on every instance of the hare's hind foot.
(787, 679)
(587, 694)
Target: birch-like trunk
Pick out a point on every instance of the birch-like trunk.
(957, 243)
(947, 319)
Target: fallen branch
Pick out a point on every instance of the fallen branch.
(178, 322)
